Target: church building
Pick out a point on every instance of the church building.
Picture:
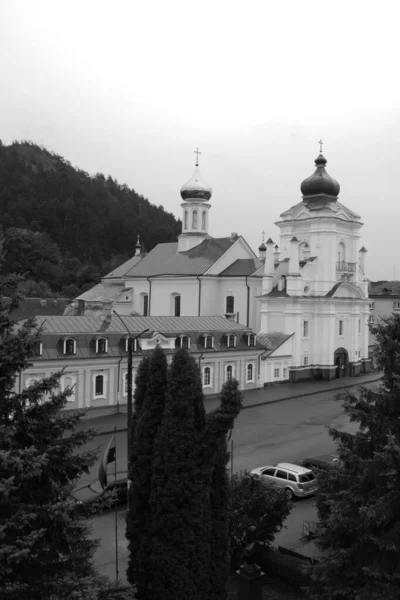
(305, 296)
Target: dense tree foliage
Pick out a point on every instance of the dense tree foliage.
(253, 502)
(359, 501)
(45, 547)
(66, 228)
(179, 484)
(139, 516)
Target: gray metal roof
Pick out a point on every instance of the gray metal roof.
(165, 259)
(101, 292)
(272, 340)
(120, 271)
(242, 267)
(66, 325)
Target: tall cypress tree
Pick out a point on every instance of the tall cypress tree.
(359, 502)
(141, 383)
(145, 434)
(179, 500)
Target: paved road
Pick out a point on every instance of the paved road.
(283, 431)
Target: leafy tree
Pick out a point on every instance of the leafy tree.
(253, 502)
(359, 501)
(45, 548)
(146, 428)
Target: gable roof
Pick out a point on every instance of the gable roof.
(100, 293)
(65, 325)
(243, 266)
(272, 340)
(120, 271)
(165, 259)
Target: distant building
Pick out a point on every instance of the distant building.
(384, 300)
(94, 353)
(34, 307)
(308, 294)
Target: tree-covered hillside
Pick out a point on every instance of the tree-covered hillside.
(63, 228)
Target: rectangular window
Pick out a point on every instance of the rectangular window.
(306, 360)
(276, 373)
(250, 372)
(230, 304)
(371, 319)
(359, 325)
(340, 327)
(371, 305)
(305, 328)
(145, 305)
(208, 341)
(396, 305)
(99, 385)
(207, 376)
(177, 306)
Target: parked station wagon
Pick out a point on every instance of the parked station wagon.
(297, 481)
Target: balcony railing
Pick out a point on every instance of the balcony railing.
(349, 267)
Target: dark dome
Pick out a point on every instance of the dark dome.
(262, 247)
(320, 182)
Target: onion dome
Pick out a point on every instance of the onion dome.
(320, 182)
(196, 188)
(262, 247)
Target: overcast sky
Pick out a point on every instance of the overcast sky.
(131, 88)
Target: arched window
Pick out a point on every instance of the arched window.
(101, 345)
(207, 376)
(250, 372)
(208, 341)
(252, 339)
(185, 342)
(99, 385)
(134, 344)
(341, 252)
(69, 346)
(230, 304)
(194, 219)
(177, 342)
(231, 340)
(228, 373)
(38, 349)
(185, 226)
(203, 219)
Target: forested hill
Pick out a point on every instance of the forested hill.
(64, 228)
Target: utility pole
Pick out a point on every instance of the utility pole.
(131, 342)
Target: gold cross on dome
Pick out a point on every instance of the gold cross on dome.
(263, 233)
(320, 145)
(197, 152)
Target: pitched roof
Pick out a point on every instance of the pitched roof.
(32, 307)
(243, 266)
(76, 324)
(120, 271)
(101, 292)
(165, 259)
(272, 340)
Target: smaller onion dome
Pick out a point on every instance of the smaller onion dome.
(320, 182)
(196, 188)
(262, 247)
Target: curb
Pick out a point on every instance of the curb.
(333, 389)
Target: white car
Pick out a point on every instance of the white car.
(297, 481)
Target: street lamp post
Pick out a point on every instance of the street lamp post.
(131, 341)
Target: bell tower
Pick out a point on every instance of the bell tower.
(195, 194)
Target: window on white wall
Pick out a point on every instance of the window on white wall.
(186, 219)
(340, 327)
(134, 344)
(229, 372)
(250, 372)
(194, 219)
(207, 377)
(176, 305)
(101, 345)
(396, 305)
(359, 325)
(145, 304)
(276, 373)
(208, 341)
(306, 360)
(203, 219)
(305, 328)
(69, 381)
(251, 339)
(99, 385)
(371, 319)
(230, 304)
(341, 252)
(231, 340)
(69, 346)
(371, 305)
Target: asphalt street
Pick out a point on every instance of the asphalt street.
(265, 434)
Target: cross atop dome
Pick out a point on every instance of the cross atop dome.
(197, 152)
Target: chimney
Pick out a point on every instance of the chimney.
(107, 308)
(294, 268)
(234, 234)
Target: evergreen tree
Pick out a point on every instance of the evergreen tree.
(141, 383)
(179, 499)
(359, 501)
(45, 547)
(139, 514)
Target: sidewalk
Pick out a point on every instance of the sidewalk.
(251, 398)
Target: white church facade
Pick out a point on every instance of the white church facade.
(306, 296)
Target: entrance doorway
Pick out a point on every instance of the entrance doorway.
(341, 359)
